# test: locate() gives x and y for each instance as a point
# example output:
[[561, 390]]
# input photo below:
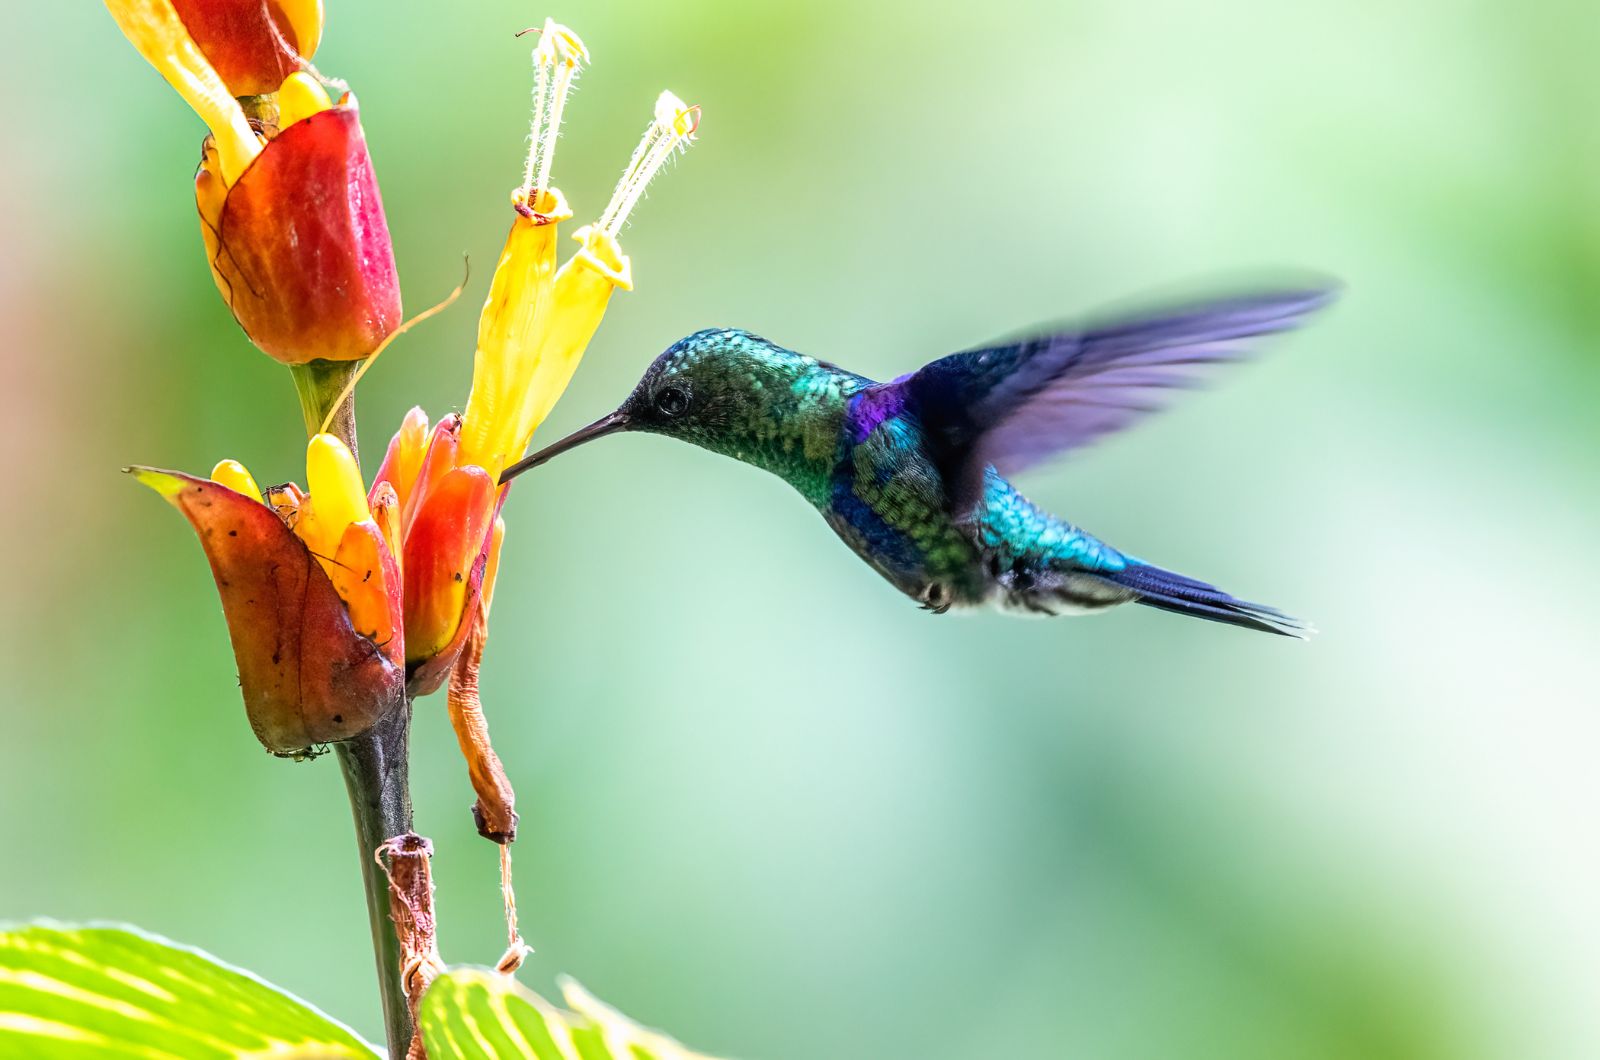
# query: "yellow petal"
[[232, 474], [305, 18], [300, 97], [508, 338], [155, 29], [582, 290], [334, 480]]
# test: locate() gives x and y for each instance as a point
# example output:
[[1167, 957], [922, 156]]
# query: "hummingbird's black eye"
[[672, 401]]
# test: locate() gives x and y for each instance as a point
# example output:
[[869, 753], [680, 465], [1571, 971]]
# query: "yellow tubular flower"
[[158, 33], [300, 97], [583, 287], [231, 473], [519, 294], [508, 330], [582, 291]]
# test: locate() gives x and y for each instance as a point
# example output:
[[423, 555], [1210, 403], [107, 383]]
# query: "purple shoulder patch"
[[871, 407]]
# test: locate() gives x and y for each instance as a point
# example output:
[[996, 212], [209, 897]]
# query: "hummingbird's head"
[[718, 388]]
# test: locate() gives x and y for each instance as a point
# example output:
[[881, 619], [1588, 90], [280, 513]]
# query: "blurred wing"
[[1014, 406]]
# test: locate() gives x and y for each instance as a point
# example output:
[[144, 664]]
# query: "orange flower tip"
[[300, 97], [232, 474], [334, 480]]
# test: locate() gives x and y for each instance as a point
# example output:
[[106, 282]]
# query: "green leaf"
[[476, 1014], [78, 992]]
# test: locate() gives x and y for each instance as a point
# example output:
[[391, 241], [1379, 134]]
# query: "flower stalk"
[[376, 764], [318, 385]]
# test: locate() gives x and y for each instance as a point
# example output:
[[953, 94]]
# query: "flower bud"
[[404, 457], [299, 244]]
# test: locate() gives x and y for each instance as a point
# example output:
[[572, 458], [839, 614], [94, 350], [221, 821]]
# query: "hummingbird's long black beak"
[[616, 421]]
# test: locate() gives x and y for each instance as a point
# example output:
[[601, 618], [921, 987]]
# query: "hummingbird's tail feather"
[[1169, 591]]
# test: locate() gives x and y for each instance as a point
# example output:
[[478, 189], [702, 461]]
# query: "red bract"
[[299, 244], [307, 675]]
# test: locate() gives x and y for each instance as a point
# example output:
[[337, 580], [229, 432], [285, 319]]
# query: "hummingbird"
[[912, 474]]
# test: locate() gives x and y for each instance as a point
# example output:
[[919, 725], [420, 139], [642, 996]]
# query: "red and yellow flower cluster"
[[341, 600]]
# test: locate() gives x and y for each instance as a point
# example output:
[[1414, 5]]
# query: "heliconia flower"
[[291, 216], [311, 589]]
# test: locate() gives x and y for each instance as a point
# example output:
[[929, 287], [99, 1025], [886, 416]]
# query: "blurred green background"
[[766, 804]]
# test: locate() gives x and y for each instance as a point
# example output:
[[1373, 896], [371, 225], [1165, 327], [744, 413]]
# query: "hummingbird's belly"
[[1038, 586]]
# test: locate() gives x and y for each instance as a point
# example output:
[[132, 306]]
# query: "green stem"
[[318, 385], [374, 764]]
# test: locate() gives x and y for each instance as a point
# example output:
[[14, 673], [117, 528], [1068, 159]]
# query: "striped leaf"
[[475, 1014], [79, 992]]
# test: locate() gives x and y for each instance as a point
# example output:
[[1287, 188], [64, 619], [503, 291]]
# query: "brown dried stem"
[[495, 810], [405, 860]]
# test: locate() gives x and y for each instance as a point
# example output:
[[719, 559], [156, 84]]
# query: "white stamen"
[[672, 130], [552, 130], [541, 85], [556, 44]]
